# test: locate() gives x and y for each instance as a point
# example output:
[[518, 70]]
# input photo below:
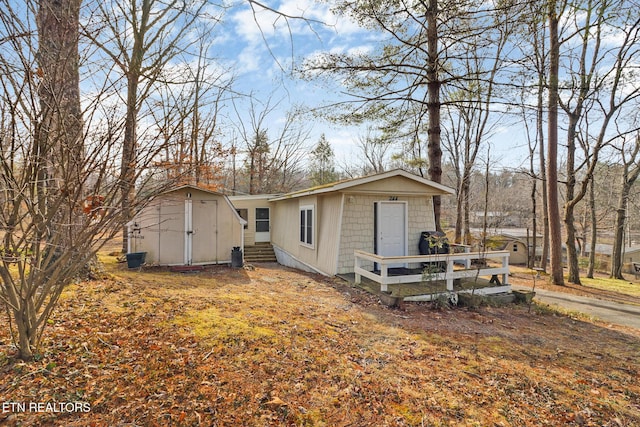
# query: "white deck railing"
[[502, 257]]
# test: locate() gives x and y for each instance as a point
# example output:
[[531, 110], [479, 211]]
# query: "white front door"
[[263, 225], [391, 226]]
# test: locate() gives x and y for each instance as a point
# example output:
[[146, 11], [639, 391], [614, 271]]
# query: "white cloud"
[[303, 18]]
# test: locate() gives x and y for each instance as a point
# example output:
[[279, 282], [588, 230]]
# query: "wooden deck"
[[491, 264], [455, 273], [428, 290]]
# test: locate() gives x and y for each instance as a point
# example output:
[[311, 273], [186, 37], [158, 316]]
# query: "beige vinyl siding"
[[421, 219], [517, 252], [329, 230], [250, 203], [322, 254], [632, 257], [327, 234], [397, 185], [306, 254], [344, 218], [285, 230], [170, 233]]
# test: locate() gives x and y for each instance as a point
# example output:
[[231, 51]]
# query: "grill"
[[433, 243]]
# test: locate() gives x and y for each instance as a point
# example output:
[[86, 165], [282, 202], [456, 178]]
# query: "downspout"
[[159, 233], [217, 245]]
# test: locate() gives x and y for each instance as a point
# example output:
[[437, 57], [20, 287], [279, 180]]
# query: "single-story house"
[[316, 229], [519, 247], [319, 228], [518, 241], [632, 254], [603, 252], [187, 226], [518, 250]]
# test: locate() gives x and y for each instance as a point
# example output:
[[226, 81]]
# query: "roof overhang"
[[350, 186]]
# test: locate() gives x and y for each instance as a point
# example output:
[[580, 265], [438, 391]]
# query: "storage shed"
[[187, 226]]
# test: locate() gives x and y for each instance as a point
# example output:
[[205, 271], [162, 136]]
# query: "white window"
[[306, 225]]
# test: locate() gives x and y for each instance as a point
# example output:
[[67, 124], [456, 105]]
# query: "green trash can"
[[135, 259]]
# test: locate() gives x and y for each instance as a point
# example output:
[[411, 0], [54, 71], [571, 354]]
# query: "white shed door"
[[391, 236], [205, 232]]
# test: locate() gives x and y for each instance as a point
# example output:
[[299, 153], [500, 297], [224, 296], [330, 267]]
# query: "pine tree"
[[323, 168]]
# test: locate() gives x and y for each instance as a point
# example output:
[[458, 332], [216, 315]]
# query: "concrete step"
[[259, 253]]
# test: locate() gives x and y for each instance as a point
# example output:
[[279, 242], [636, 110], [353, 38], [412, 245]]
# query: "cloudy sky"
[[261, 46]]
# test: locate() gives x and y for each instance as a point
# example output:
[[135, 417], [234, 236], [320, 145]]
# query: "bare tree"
[[58, 166], [600, 83], [42, 177], [630, 172], [429, 47], [139, 37], [553, 207], [188, 114], [272, 158], [374, 151], [469, 110], [534, 47]]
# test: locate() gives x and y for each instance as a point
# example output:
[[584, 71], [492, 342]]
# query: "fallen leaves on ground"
[[273, 346]]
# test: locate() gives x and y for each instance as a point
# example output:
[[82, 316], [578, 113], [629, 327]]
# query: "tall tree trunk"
[[433, 89], [594, 229], [543, 177], [569, 208], [618, 235], [129, 163], [129, 155], [630, 174], [58, 141], [462, 205], [553, 209], [466, 230], [459, 212], [531, 259]]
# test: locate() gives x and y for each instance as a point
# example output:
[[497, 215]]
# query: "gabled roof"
[[191, 187], [205, 190], [606, 249], [508, 233], [350, 184]]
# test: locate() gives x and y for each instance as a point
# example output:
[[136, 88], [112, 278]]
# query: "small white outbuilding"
[[187, 226]]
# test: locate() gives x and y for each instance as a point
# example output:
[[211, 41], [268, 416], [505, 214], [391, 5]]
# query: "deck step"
[[261, 252]]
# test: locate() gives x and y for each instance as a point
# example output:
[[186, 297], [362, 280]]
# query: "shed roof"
[[192, 187], [368, 184], [205, 190]]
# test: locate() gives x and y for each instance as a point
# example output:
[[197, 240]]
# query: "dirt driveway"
[[618, 313]]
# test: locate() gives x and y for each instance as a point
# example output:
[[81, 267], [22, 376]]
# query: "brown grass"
[[272, 346]]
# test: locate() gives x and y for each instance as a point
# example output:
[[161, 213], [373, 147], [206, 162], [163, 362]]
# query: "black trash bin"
[[236, 257], [135, 259]]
